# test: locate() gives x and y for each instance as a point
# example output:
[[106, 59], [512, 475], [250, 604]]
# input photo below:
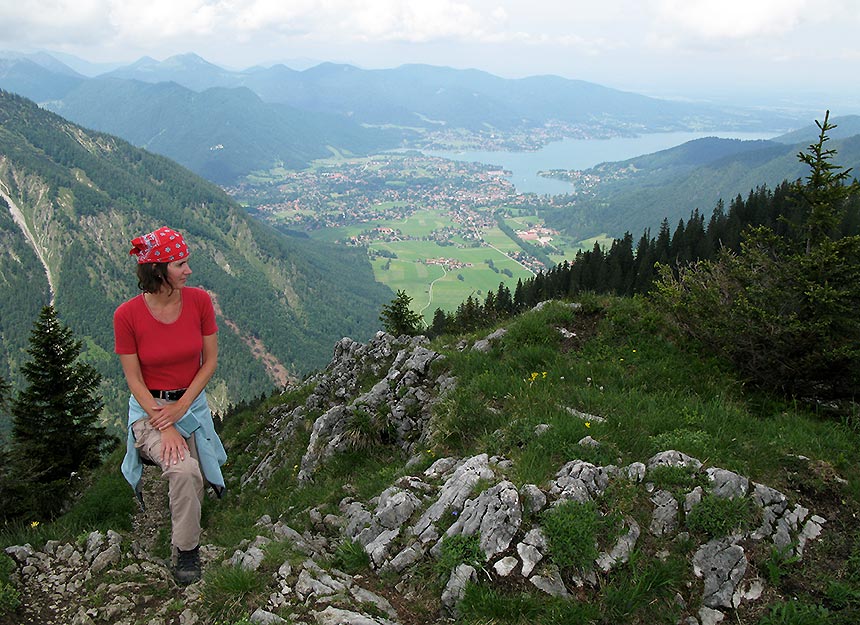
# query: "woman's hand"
[[173, 447], [164, 415]]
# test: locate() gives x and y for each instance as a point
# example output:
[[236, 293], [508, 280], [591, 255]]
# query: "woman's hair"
[[152, 276]]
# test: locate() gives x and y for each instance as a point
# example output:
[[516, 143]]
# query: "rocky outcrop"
[[395, 410], [405, 527]]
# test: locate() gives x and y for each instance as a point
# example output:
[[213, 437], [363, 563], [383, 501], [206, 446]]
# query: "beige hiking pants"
[[185, 484]]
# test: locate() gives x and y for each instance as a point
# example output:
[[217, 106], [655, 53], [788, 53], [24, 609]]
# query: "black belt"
[[168, 395]]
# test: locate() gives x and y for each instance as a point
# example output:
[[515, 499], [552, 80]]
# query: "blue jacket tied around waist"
[[197, 422]]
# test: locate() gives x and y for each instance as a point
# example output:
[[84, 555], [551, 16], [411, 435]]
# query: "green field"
[[409, 273], [431, 286]]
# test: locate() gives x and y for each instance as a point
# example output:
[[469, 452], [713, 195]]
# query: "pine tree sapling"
[[398, 318], [55, 418]]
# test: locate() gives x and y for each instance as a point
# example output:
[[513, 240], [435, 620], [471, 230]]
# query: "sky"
[[753, 52]]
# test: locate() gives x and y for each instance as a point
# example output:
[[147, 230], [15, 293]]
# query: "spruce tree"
[[55, 418], [398, 318]]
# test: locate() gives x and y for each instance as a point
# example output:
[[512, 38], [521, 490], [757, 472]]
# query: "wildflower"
[[588, 424], [544, 374], [34, 524], [634, 351]]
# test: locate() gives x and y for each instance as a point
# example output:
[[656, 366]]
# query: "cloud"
[[54, 22], [732, 20]]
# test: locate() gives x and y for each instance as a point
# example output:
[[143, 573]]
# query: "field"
[[474, 268]]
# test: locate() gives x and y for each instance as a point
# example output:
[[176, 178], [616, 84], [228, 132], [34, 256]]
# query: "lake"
[[582, 154]]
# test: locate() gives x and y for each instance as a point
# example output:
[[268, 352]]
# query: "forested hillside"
[[81, 196], [639, 193], [220, 134]]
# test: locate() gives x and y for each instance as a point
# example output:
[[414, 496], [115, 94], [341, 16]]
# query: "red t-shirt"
[[169, 353]]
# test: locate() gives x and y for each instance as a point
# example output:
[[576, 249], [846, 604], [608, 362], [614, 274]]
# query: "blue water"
[[582, 154]]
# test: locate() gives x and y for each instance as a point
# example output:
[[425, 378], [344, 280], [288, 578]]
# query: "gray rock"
[[505, 566], [747, 591], [788, 525], [727, 484], [315, 583], [454, 493], [579, 481], [409, 556], [533, 498], [262, 617], [379, 548], [395, 507], [722, 564], [635, 472], [362, 595], [110, 556], [550, 582], [455, 589], [20, 553], [672, 458], [495, 515], [584, 416], [708, 616], [95, 543], [530, 557], [665, 517], [623, 547], [692, 499], [337, 616], [249, 560]]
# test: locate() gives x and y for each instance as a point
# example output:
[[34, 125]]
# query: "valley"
[[439, 229]]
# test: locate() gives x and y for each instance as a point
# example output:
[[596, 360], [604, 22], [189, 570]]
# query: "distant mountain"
[[188, 70], [429, 97], [846, 126], [36, 77], [639, 193], [72, 199], [219, 133]]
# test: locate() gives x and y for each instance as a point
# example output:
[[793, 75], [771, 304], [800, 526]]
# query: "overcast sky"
[[803, 50]]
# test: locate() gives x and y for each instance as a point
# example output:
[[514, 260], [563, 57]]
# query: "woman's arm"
[[173, 445]]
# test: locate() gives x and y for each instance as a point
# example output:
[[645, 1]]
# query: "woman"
[[166, 339]]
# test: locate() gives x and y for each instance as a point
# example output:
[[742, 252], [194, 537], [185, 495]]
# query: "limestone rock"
[[455, 589], [665, 517], [722, 565], [495, 515]]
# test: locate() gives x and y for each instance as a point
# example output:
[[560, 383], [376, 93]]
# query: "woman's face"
[[177, 273]]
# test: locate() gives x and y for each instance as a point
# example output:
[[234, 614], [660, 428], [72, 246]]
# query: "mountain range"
[[224, 124], [71, 201]]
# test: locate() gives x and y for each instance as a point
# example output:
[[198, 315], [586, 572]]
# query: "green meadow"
[[431, 286]]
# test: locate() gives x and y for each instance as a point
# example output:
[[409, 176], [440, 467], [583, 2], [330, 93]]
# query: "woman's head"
[[157, 252]]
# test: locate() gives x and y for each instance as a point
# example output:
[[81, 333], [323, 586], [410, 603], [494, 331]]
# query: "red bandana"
[[161, 246]]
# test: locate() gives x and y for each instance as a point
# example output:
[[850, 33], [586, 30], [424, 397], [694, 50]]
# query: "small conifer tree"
[[398, 318], [55, 418]]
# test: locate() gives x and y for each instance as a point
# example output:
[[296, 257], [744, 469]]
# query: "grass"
[[649, 393]]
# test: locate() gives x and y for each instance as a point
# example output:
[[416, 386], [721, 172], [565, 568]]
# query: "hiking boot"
[[187, 570]]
